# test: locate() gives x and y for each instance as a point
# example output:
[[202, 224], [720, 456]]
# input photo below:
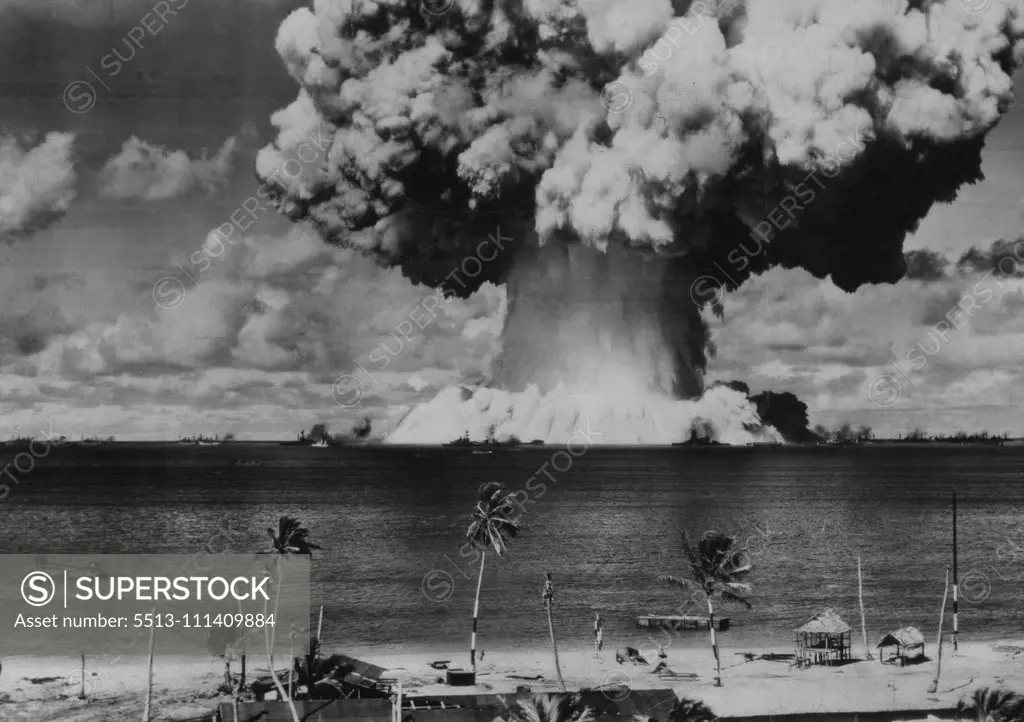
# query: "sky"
[[108, 328]]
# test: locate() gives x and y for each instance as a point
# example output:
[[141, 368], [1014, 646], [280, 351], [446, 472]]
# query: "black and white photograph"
[[511, 360]]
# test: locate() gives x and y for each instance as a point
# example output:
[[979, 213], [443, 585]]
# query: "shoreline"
[[34, 688]]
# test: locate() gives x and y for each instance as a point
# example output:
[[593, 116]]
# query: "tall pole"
[[938, 644], [956, 585], [147, 712], [863, 624], [291, 671]]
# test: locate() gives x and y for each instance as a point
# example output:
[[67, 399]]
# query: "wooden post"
[[291, 670], [81, 694], [320, 626], [148, 711], [863, 624], [942, 612], [956, 585]]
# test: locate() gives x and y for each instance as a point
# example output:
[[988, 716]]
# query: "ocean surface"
[[391, 521]]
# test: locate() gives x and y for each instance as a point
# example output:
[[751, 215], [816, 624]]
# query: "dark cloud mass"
[[1003, 257], [628, 157], [925, 265]]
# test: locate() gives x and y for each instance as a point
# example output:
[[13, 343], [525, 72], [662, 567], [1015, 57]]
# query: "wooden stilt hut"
[[902, 646], [826, 639]]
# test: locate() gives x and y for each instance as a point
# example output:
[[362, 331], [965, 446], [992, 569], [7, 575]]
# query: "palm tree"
[[991, 705], [554, 708], [684, 709], [717, 567], [491, 527], [549, 596], [291, 538]]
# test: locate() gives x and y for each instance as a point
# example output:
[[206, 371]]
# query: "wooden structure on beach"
[[826, 639], [608, 706], [902, 646], [351, 679], [680, 623]]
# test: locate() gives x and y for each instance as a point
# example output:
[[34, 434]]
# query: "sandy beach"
[[749, 688], [40, 689]]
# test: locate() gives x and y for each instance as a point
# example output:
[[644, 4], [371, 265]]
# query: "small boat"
[[482, 451], [248, 462], [322, 444], [209, 443]]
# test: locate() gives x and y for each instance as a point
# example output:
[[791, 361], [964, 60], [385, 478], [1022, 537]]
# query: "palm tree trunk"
[[476, 615], [554, 644], [270, 649], [714, 643], [281, 690], [863, 622], [938, 644]]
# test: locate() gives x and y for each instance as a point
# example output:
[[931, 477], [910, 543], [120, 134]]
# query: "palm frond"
[[692, 557], [690, 710], [717, 566], [731, 594], [291, 537], [554, 708], [685, 584], [989, 704], [491, 525]]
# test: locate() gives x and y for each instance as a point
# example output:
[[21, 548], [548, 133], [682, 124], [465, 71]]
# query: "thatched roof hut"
[[825, 639], [905, 644]]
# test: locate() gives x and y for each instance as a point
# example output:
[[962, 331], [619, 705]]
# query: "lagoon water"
[[391, 522]]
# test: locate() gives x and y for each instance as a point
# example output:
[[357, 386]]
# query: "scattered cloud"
[[827, 346], [272, 326], [149, 172], [37, 183]]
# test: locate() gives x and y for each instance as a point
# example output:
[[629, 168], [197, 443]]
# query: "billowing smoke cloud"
[[37, 184], [925, 265], [1005, 258], [151, 172], [630, 154], [1002, 258]]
